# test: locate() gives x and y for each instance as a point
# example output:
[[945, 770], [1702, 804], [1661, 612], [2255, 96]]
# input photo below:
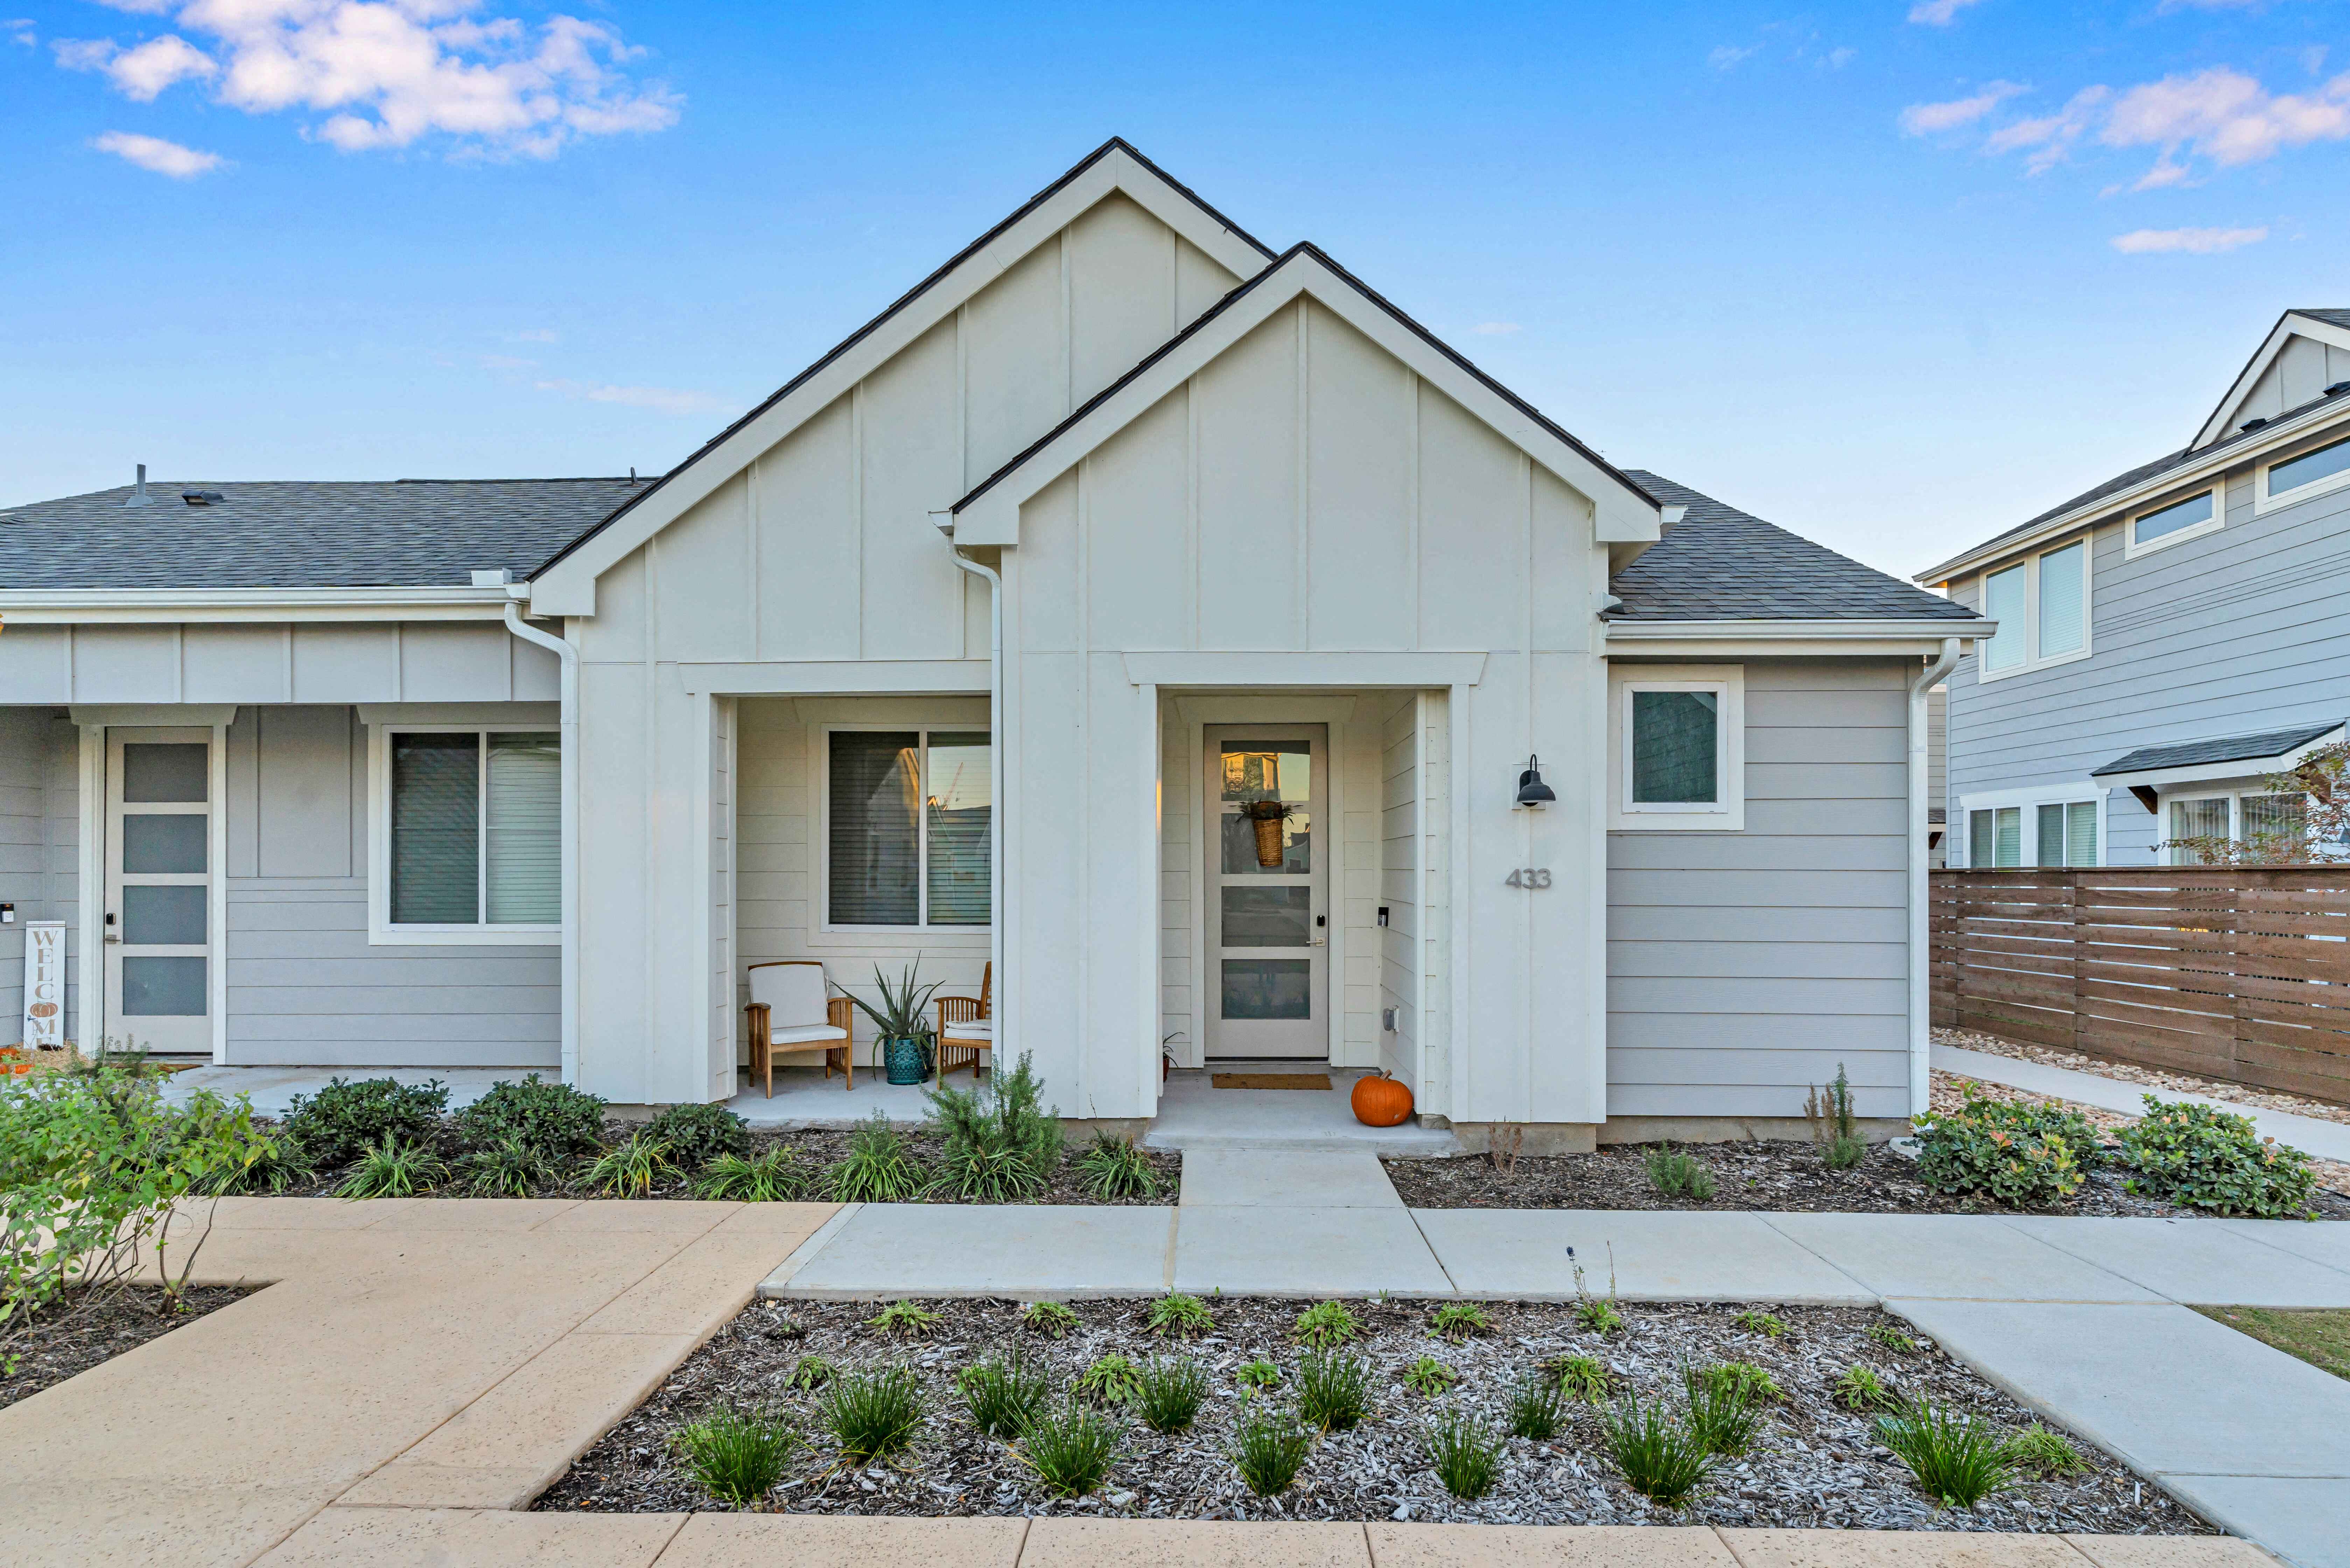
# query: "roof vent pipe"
[[139, 497]]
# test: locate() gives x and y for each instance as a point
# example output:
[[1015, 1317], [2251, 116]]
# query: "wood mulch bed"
[[79, 1333], [1813, 1463]]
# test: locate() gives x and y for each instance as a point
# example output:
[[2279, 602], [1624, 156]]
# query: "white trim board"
[[2289, 325], [1379, 669], [76, 606]]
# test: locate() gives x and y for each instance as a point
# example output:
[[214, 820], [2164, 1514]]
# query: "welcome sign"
[[44, 984]]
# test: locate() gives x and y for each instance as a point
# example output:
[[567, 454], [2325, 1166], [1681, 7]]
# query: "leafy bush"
[[1255, 1376], [2044, 1452], [1658, 1457], [999, 1146], [1457, 1320], [554, 1120], [1465, 1455], [510, 1167], [1325, 1324], [2200, 1157], [1860, 1389], [1181, 1316], [1958, 1460], [632, 1167], [907, 1319], [1580, 1377], [736, 1455], [1988, 1150], [1071, 1449], [1269, 1447], [773, 1175], [810, 1373], [281, 1162], [1003, 1396], [1051, 1319], [877, 1167], [873, 1415], [1333, 1390], [344, 1119], [1113, 1167], [1723, 1412], [1169, 1394], [696, 1135], [1536, 1411], [1429, 1376], [394, 1170], [1112, 1379], [1770, 1325], [1677, 1173]]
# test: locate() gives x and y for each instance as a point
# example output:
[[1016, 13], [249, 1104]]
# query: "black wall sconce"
[[1532, 793]]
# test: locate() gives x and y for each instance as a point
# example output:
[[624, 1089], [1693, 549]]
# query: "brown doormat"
[[1270, 1080]]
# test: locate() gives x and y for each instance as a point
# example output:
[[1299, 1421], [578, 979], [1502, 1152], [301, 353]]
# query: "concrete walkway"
[[2311, 1135]]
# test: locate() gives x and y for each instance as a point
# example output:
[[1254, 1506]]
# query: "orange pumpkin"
[[1381, 1101]]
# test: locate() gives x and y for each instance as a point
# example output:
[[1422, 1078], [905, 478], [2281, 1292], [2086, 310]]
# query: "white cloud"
[[155, 154], [2194, 242], [2050, 137], [1495, 328], [2227, 117], [1939, 13], [1928, 118], [1838, 58], [20, 30], [392, 73], [1728, 56], [665, 399]]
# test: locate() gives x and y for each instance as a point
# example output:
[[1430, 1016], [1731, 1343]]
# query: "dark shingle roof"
[[1719, 563], [298, 534], [2263, 747], [2331, 318]]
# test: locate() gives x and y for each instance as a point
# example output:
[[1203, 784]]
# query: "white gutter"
[[51, 606], [999, 893], [1841, 630], [569, 657], [1921, 937]]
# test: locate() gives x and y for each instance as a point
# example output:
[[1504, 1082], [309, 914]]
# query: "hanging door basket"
[[1269, 815]]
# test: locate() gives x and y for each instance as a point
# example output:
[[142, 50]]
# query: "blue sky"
[[1896, 274]]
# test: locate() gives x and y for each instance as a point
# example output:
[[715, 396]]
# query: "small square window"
[[1676, 747]]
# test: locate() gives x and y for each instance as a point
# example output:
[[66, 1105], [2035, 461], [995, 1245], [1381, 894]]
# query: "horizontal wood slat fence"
[[2237, 973]]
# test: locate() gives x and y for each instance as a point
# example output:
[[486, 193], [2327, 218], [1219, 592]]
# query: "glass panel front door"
[[1267, 879], [158, 872]]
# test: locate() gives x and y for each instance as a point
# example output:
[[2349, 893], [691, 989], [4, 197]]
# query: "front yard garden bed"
[[77, 1332], [1814, 1458]]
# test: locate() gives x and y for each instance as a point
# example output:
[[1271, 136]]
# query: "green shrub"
[[1325, 1324], [1113, 1167], [394, 1170], [508, 1168], [1465, 1455], [2200, 1157], [1658, 1457], [1994, 1149], [1256, 1376], [873, 1415], [1051, 1319], [344, 1119], [773, 1175], [556, 1120], [1744, 1379], [1071, 1449], [998, 1145], [1112, 1379], [1770, 1325], [1181, 1316], [810, 1372], [1170, 1393], [1958, 1460], [906, 1319], [696, 1135], [736, 1455], [1536, 1410], [280, 1163], [632, 1167], [1598, 1315], [1834, 1127], [1860, 1389], [1269, 1447], [1003, 1396], [1429, 1376], [1581, 1377], [2044, 1452], [1723, 1412], [1457, 1320], [1333, 1390], [877, 1167], [1677, 1173]]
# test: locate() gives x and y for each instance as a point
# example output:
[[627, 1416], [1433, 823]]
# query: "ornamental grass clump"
[[1051, 1319], [556, 1121], [1744, 1379], [632, 1167], [1537, 1410], [1333, 1390], [2023, 1156], [1429, 1376], [1181, 1316], [1170, 1392], [905, 1319], [998, 1144], [877, 1167], [1003, 1396], [1583, 1378], [696, 1135], [736, 1456], [773, 1175], [1269, 1447], [1326, 1326], [1656, 1455], [1465, 1455], [1770, 1325], [1112, 1168], [1457, 1320], [1677, 1173], [2200, 1157], [874, 1415], [1071, 1448], [277, 1162], [344, 1119], [1111, 1379], [394, 1170], [2045, 1453], [1860, 1389], [1958, 1460], [1723, 1412], [509, 1167]]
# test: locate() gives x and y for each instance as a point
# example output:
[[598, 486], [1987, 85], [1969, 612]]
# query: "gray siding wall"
[[2238, 631], [1744, 967], [40, 822]]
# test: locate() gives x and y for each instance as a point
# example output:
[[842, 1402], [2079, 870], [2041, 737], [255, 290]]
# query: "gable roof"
[[1303, 268], [1115, 165], [298, 534], [2326, 323], [1721, 564]]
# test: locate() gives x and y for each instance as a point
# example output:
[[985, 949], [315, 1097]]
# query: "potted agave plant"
[[903, 1022]]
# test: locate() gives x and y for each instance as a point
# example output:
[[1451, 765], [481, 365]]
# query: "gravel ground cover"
[[79, 1333], [2152, 1077], [1813, 1463]]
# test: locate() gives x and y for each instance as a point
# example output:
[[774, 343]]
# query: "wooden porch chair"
[[967, 1028], [792, 1016]]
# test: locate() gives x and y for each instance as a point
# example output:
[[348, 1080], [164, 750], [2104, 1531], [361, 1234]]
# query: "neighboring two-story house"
[[2170, 640]]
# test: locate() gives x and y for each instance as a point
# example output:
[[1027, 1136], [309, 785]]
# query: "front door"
[[1268, 911], [158, 872]]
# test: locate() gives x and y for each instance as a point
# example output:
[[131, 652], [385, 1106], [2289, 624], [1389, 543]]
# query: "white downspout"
[[1920, 1040], [569, 657], [999, 899]]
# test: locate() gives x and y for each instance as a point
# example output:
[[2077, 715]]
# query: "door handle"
[[1317, 942]]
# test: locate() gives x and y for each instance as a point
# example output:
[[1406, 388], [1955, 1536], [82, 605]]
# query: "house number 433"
[[1528, 877]]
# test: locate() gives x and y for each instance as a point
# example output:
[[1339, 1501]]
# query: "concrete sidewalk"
[[2311, 1135]]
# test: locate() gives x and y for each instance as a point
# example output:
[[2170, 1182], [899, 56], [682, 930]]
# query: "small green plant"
[[1677, 1173], [1834, 1127], [1883, 1332], [1580, 1377], [1457, 1320], [506, 1168], [810, 1373], [1003, 1396], [736, 1455], [1723, 1414], [873, 1415], [1070, 1449], [997, 1144], [1254, 1377], [1744, 1379], [1958, 1460], [1536, 1410], [905, 1319], [1111, 1379], [1860, 1389], [1324, 1325], [1333, 1390], [696, 1135], [279, 1162], [1269, 1447], [1594, 1313], [1112, 1168], [2044, 1452], [394, 1170], [632, 1167], [344, 1119], [1181, 1316], [1429, 1376], [556, 1120], [904, 1013], [773, 1175], [877, 1167], [1170, 1392], [2025, 1155], [1770, 1325], [1465, 1455], [2201, 1157], [1656, 1455], [1051, 1319]]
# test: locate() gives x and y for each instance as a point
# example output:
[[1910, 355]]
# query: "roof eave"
[[86, 607]]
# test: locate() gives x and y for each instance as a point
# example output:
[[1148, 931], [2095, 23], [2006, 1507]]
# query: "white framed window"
[[2042, 605], [1676, 747], [2034, 826], [465, 834], [2172, 523], [907, 816], [2237, 816], [2295, 479]]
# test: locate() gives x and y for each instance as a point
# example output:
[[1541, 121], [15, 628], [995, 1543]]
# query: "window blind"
[[959, 807], [435, 829], [2004, 602], [2064, 600], [523, 817], [874, 831]]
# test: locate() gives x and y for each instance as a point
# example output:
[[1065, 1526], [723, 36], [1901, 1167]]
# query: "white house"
[[971, 644]]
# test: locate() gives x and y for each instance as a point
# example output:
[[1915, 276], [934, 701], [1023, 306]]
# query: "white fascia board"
[[1637, 637], [89, 607], [1619, 513], [1183, 670], [2212, 772], [2108, 507], [2289, 326], [569, 588]]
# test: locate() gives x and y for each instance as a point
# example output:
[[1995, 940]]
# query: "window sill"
[[465, 936], [1722, 819], [2132, 549], [1985, 677]]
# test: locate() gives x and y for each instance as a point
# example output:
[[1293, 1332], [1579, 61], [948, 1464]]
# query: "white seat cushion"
[[793, 994], [808, 1034], [970, 1029]]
